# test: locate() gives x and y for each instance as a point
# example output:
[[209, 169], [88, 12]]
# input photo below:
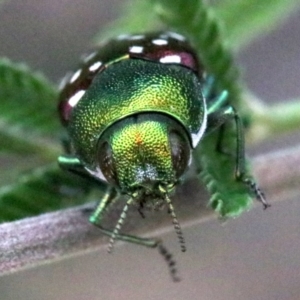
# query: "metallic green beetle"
[[134, 112]]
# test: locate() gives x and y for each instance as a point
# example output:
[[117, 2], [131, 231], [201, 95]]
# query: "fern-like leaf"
[[43, 189], [27, 109], [229, 197], [258, 17]]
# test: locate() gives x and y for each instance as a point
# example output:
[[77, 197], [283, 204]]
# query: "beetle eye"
[[180, 150], [106, 163]]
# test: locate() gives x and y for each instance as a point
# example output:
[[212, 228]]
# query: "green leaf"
[[271, 121], [28, 116], [245, 20], [41, 190], [229, 197]]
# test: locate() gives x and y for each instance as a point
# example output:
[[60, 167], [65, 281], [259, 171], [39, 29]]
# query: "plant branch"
[[269, 121], [54, 236]]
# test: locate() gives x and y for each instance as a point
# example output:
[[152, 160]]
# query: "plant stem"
[[53, 236]]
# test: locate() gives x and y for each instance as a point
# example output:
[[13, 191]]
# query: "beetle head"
[[143, 152], [144, 156]]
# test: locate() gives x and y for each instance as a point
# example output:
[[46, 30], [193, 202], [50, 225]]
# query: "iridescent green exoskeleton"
[[135, 113]]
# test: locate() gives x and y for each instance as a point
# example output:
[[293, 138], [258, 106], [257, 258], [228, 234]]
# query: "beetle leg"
[[103, 207], [208, 86], [96, 218], [149, 243], [217, 103], [72, 164], [220, 119], [66, 143], [109, 198]]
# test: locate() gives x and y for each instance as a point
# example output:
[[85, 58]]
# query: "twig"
[[54, 236]]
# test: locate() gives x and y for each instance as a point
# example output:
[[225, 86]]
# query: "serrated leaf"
[[41, 190], [245, 20], [229, 197], [27, 108]]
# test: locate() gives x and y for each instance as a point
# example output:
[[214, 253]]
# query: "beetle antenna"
[[170, 261], [118, 225], [176, 223]]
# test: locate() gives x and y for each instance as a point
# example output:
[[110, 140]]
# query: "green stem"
[[269, 121]]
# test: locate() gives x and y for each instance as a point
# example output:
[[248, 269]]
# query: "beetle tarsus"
[[259, 194], [170, 261]]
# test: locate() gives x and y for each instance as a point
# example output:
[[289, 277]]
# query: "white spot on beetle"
[[136, 49], [75, 76], [160, 42], [94, 67], [171, 59], [76, 97]]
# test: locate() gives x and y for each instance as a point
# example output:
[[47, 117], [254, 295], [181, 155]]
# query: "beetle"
[[135, 112]]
